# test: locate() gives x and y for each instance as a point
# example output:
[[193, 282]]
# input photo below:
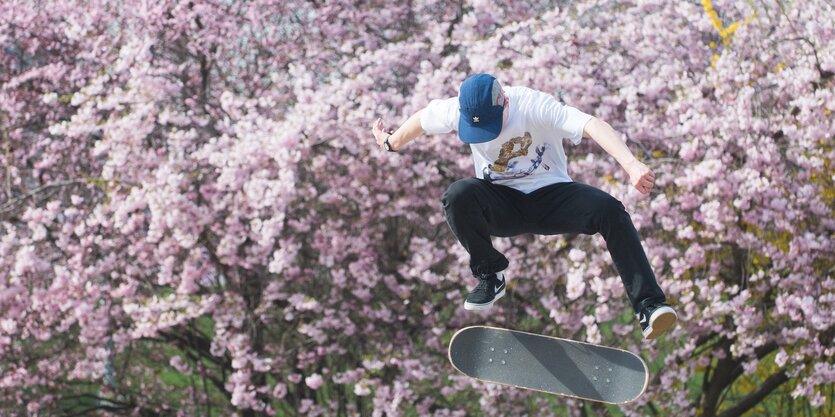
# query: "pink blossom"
[[314, 381], [280, 391]]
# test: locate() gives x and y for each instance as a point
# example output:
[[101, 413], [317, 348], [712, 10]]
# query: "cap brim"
[[482, 132]]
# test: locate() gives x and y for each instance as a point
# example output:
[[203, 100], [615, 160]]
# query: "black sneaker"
[[655, 319], [489, 289]]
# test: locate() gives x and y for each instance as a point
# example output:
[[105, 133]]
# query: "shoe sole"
[[662, 320], [480, 307]]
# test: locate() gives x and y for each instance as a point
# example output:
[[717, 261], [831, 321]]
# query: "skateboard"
[[549, 364]]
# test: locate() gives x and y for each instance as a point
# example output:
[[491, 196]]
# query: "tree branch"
[[4, 138], [99, 399], [9, 206], [770, 384]]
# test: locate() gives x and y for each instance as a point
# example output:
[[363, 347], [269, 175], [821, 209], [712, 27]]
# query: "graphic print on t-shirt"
[[507, 165]]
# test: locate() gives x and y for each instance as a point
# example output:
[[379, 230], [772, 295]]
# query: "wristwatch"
[[387, 145]]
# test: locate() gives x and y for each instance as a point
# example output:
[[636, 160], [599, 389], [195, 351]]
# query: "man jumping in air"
[[522, 186]]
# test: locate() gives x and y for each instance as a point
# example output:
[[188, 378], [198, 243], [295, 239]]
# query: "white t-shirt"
[[528, 153]]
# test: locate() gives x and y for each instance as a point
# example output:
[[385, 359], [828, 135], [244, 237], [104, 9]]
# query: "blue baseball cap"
[[480, 108]]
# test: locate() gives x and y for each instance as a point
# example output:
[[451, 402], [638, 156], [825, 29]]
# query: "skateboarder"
[[522, 186]]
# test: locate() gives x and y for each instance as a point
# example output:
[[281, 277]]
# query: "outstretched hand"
[[641, 177], [380, 134]]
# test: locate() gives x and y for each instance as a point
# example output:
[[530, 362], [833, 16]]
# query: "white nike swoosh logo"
[[497, 289], [644, 319]]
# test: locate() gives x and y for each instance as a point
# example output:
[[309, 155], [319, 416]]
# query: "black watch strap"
[[387, 145]]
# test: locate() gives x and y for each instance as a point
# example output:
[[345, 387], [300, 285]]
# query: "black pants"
[[476, 209]]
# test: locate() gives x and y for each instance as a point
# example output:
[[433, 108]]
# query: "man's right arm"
[[404, 134], [439, 116]]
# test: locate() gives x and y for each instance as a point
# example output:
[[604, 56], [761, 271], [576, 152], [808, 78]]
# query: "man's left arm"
[[641, 177]]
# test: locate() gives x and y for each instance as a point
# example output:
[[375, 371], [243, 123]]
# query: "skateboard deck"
[[549, 364]]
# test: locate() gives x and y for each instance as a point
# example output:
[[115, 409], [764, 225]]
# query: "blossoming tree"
[[195, 220]]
